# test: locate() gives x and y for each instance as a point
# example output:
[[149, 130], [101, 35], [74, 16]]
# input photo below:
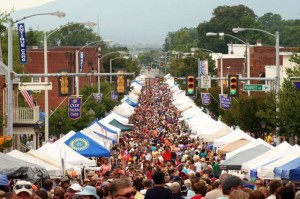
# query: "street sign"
[[206, 81], [256, 87], [35, 85]]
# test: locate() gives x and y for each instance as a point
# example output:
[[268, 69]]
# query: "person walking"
[[158, 191]]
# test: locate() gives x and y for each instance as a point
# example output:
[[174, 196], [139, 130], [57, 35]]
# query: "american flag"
[[28, 98]]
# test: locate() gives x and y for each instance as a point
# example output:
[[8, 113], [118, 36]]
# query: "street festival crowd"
[[156, 160]]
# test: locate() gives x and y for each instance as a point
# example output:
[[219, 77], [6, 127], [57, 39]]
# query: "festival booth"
[[133, 97], [86, 146], [130, 102], [15, 168], [106, 143], [113, 115], [267, 171], [233, 146], [255, 143], [101, 130], [218, 130], [122, 111], [53, 171], [231, 137], [249, 167], [236, 161], [290, 170]]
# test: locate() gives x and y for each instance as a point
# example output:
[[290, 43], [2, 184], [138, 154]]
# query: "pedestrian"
[[158, 191], [88, 192], [122, 188], [23, 190]]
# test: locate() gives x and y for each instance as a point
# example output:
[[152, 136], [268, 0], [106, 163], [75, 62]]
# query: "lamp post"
[[46, 36], [110, 66], [36, 129], [246, 52], [10, 67], [277, 77], [221, 64]]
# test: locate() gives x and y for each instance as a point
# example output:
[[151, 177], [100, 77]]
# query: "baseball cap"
[[23, 186], [76, 187]]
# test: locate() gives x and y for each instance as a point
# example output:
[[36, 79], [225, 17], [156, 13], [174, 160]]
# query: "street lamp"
[[46, 36], [37, 130], [110, 65], [10, 67], [228, 69], [221, 64], [60, 123], [277, 78]]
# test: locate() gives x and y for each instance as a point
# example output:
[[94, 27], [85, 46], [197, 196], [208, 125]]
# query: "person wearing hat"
[[88, 192], [75, 188], [23, 190], [65, 182]]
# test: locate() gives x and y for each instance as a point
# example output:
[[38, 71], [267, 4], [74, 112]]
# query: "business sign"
[[74, 108], [22, 43], [225, 101], [205, 97], [82, 61], [206, 81]]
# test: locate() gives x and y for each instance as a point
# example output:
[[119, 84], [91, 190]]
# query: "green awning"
[[119, 125]]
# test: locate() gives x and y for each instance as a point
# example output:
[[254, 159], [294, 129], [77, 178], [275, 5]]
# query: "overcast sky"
[[137, 21]]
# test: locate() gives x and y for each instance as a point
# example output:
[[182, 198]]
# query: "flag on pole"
[[28, 98], [97, 97]]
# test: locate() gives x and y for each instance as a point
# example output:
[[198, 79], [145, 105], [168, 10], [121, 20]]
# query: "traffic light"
[[233, 85], [190, 85], [64, 85], [161, 80], [175, 80], [121, 83]]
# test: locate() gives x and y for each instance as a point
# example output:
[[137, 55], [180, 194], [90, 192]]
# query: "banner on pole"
[[81, 61], [225, 101], [22, 43], [74, 110], [205, 97]]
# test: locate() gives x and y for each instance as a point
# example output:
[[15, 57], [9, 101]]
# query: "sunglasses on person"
[[20, 186], [259, 184], [127, 195]]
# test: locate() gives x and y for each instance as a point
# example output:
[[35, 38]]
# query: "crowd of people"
[[158, 159]]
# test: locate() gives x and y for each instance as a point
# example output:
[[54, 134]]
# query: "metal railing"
[[24, 115]]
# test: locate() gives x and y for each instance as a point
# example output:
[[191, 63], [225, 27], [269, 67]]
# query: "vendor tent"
[[121, 126], [283, 171], [232, 136], [112, 115], [267, 171], [53, 171], [233, 146], [97, 128], [274, 154], [255, 143], [15, 168], [86, 146], [235, 162], [218, 130]]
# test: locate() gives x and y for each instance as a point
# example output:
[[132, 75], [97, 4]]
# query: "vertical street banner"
[[225, 101], [74, 108], [81, 61], [205, 97], [114, 96], [22, 43], [203, 67]]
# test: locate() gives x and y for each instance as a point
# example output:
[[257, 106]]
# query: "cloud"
[[9, 5]]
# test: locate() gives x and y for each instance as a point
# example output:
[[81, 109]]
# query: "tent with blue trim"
[[86, 146], [283, 171]]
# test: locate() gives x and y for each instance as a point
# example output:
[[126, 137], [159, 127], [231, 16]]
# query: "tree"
[[34, 38], [73, 35]]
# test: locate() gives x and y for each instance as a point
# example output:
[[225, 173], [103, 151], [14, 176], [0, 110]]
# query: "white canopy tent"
[[267, 171], [95, 127], [219, 130], [113, 115], [266, 158], [122, 111], [100, 140], [54, 171], [231, 137], [255, 143]]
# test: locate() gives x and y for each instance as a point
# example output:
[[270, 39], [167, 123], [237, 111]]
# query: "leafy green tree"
[[73, 34], [34, 38]]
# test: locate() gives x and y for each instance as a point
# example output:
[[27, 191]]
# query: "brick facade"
[[61, 59]]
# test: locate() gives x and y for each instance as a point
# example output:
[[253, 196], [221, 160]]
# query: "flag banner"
[[28, 98], [205, 98], [74, 109], [97, 97], [114, 96], [81, 61], [225, 101], [203, 67], [22, 43]]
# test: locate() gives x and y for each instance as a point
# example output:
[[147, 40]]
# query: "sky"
[[136, 22]]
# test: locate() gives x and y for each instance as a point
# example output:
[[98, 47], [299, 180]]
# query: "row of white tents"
[[96, 140], [245, 155]]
